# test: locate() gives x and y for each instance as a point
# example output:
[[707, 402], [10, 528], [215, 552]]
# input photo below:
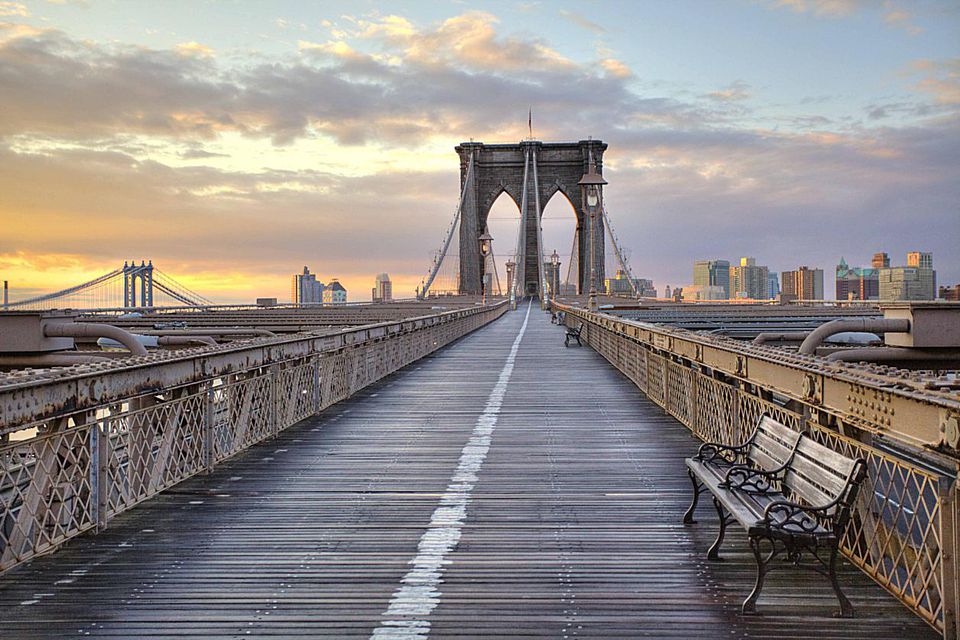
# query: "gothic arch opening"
[[559, 225], [503, 222]]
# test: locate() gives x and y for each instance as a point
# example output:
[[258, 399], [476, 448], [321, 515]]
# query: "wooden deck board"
[[572, 531]]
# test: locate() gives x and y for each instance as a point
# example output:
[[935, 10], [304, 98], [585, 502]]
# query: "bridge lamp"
[[554, 273], [486, 246], [591, 183]]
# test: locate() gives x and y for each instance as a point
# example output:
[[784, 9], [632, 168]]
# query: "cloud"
[[896, 16], [734, 92], [616, 68], [939, 79], [193, 49], [582, 22], [115, 135], [13, 9], [823, 8]]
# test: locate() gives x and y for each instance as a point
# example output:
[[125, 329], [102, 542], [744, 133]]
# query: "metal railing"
[[79, 446], [904, 532]]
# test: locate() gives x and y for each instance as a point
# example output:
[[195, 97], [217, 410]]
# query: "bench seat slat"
[[827, 480], [777, 453], [826, 456], [779, 431]]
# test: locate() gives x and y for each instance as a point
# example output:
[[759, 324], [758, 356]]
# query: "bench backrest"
[[772, 444], [819, 476]]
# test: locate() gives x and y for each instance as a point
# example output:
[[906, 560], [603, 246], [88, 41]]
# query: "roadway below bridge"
[[503, 486]]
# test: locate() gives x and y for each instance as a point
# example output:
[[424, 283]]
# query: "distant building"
[[620, 284], [921, 259], [858, 283], [880, 260], [667, 293], [747, 280], [712, 273], [916, 281], [803, 284], [699, 292], [773, 285], [334, 293], [382, 289], [266, 302], [950, 293], [306, 289]]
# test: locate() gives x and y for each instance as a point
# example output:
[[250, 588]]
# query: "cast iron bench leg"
[[750, 604], [697, 490], [846, 609], [713, 553]]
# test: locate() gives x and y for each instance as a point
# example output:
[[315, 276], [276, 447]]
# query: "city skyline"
[[234, 146]]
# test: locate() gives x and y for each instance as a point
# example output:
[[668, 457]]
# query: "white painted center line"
[[419, 592]]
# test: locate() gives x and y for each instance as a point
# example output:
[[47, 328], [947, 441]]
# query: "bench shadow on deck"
[[573, 530]]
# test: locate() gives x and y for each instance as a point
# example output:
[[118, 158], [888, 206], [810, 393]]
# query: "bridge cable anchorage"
[[624, 265], [454, 226], [412, 603]]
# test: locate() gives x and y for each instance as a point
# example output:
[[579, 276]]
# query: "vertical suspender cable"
[[537, 213], [522, 234], [616, 248]]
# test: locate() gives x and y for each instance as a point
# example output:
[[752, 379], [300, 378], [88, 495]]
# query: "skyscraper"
[[382, 289], [916, 281], [858, 283], [921, 259], [803, 284], [305, 288], [747, 280], [880, 260], [712, 273]]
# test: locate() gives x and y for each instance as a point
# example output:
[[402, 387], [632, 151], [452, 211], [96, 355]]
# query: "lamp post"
[[590, 185], [554, 274], [511, 266], [486, 241]]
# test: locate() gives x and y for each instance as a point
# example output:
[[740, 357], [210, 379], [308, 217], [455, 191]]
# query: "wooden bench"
[[787, 491], [573, 333]]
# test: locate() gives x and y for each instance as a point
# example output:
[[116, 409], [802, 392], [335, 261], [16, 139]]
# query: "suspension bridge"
[[431, 469], [132, 286], [530, 173]]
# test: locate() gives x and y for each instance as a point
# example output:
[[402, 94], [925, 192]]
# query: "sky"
[[233, 142]]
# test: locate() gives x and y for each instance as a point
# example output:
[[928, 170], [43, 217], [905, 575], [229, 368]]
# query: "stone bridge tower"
[[530, 172]]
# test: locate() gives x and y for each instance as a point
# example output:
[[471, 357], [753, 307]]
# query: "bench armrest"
[[783, 514], [712, 451], [751, 480]]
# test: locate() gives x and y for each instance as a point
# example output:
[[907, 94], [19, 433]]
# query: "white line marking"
[[419, 595]]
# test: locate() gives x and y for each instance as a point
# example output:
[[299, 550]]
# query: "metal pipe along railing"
[[870, 325], [85, 330]]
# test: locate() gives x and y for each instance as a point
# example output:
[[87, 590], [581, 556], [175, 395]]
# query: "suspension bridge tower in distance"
[[530, 172], [138, 278]]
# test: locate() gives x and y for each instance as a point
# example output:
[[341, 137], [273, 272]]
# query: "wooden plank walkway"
[[571, 527]]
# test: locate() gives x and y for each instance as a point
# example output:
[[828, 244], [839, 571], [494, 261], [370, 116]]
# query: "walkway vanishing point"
[[503, 486]]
